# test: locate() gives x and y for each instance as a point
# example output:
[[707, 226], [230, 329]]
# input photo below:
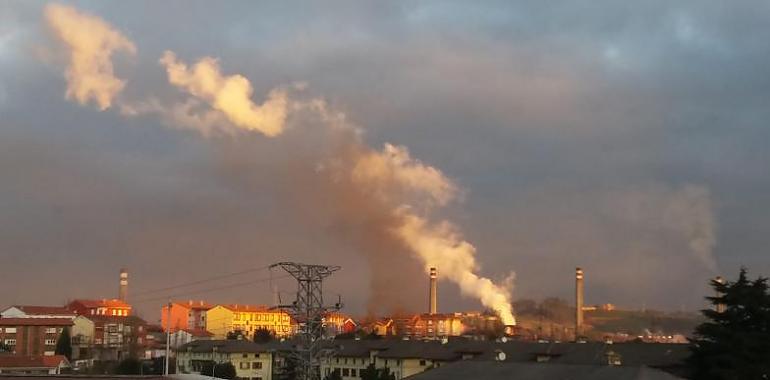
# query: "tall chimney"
[[123, 284], [578, 303], [720, 307], [433, 291]]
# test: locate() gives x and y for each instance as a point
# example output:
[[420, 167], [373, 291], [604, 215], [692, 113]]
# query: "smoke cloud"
[[685, 212], [90, 43], [230, 95]]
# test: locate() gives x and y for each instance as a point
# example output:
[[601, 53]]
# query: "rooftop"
[[464, 370], [102, 303], [44, 310]]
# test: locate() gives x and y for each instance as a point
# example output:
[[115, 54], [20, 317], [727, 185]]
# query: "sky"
[[628, 139]]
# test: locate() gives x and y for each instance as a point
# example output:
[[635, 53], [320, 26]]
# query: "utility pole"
[[168, 338], [308, 311]]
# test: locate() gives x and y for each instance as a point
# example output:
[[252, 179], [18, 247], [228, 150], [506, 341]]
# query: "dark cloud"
[[554, 117]]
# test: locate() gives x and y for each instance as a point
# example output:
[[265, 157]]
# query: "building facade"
[[32, 336], [251, 360], [185, 315], [223, 319]]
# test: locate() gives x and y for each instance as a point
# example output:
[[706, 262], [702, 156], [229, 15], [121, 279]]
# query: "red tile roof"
[[195, 305], [16, 361], [35, 322], [44, 310], [102, 303]]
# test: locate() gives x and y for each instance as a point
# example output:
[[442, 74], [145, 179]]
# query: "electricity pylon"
[[308, 311]]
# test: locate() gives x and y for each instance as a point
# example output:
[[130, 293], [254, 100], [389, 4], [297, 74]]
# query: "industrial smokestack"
[[578, 303], [123, 293], [432, 296], [720, 307]]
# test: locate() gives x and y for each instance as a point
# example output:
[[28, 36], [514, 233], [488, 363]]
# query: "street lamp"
[[213, 360]]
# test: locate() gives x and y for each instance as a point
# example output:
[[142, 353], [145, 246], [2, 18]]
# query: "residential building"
[[338, 323], [82, 337], [27, 311], [223, 319], [32, 365], [103, 307], [185, 315], [116, 337], [181, 337], [402, 358], [32, 336], [251, 360]]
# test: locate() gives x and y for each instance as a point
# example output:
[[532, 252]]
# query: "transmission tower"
[[309, 312]]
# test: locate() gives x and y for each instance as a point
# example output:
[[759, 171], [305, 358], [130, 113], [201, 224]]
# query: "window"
[[346, 360], [50, 330], [50, 342], [245, 355], [10, 330], [422, 363], [244, 365], [256, 365], [353, 372], [345, 372], [10, 342]]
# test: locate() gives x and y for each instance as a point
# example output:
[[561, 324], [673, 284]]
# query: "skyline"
[[628, 142]]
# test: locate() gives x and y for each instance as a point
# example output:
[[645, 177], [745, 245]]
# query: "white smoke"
[[90, 43], [230, 95]]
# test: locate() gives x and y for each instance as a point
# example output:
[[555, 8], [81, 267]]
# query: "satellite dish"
[[499, 355]]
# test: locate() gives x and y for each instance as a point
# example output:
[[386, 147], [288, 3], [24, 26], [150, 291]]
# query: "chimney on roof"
[[578, 303], [432, 302], [123, 293]]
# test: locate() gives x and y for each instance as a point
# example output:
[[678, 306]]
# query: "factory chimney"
[[720, 307], [123, 293], [432, 296], [578, 303]]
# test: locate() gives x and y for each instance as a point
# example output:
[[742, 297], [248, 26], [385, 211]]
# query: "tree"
[[334, 375], [220, 370], [373, 373], [64, 344], [734, 342], [235, 335], [263, 335]]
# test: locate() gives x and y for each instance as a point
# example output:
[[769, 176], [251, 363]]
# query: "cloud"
[[230, 95], [90, 43]]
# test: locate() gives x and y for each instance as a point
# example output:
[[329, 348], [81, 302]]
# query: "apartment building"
[[247, 319], [185, 315], [32, 336], [251, 360]]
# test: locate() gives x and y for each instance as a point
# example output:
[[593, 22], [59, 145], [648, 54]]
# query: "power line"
[[208, 290], [202, 281]]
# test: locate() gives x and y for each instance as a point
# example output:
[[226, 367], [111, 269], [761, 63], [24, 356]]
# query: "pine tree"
[[734, 342], [372, 373], [64, 344]]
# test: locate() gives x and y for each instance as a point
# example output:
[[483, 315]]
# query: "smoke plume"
[[90, 43], [387, 192], [230, 95]]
